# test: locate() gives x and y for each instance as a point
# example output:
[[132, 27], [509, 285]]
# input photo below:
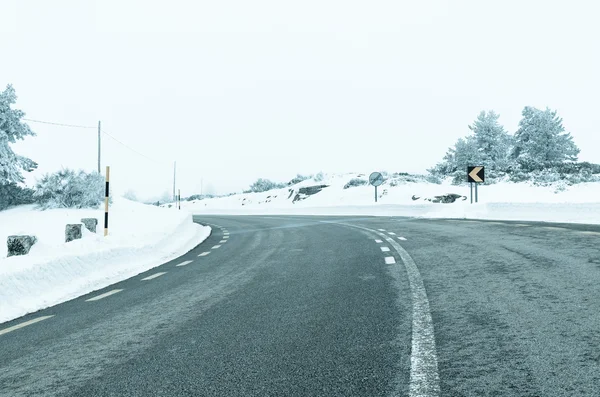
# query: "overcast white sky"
[[236, 90]]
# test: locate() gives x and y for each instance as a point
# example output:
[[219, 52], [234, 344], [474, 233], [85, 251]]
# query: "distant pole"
[[179, 198], [375, 193], [174, 176], [476, 198], [99, 144], [106, 201]]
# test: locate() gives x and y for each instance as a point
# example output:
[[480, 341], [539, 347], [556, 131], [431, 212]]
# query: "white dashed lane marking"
[[401, 238], [381, 230], [385, 249], [225, 237], [204, 253], [154, 276], [25, 324], [222, 241], [389, 260], [378, 241], [590, 233], [104, 295], [216, 246], [184, 263], [391, 233]]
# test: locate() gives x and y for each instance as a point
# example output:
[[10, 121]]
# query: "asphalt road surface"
[[331, 306]]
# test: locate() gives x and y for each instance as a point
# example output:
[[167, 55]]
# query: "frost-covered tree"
[[11, 130], [70, 189], [493, 143], [130, 195], [457, 158], [541, 141]]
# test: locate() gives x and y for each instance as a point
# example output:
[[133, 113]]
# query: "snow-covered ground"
[[140, 237], [502, 201]]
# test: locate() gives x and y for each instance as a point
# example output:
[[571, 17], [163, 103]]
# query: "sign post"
[[475, 175], [376, 179]]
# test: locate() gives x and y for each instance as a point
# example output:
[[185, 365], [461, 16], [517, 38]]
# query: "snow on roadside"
[[502, 201], [140, 237]]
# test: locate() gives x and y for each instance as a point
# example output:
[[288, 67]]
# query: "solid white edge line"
[[216, 246], [25, 324], [390, 260], [204, 253], [104, 295], [153, 276], [184, 263], [385, 249]]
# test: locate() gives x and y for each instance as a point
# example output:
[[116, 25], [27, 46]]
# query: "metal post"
[[99, 144], [174, 175], [375, 193], [106, 201], [476, 198], [471, 186], [179, 198]]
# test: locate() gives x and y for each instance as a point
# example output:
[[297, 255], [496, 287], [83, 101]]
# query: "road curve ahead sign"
[[376, 179], [475, 174]]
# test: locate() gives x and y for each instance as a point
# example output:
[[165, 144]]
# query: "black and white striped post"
[[106, 201], [179, 198]]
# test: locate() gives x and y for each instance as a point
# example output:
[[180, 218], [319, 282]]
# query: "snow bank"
[[503, 201], [140, 237]]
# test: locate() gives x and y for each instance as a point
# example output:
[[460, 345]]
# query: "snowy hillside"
[[140, 237], [509, 201]]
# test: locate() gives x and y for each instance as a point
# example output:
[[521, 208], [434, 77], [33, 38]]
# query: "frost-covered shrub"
[[433, 179], [12, 194], [299, 178], [69, 189], [319, 177], [355, 182], [263, 185]]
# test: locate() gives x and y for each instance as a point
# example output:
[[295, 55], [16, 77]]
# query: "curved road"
[[331, 306]]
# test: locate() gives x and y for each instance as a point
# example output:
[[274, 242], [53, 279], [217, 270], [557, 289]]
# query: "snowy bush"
[[69, 189], [12, 194], [263, 185], [299, 178], [355, 182], [319, 177]]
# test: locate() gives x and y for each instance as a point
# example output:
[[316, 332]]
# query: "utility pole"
[[174, 176], [99, 144]]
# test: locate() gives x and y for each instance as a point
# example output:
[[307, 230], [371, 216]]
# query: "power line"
[[59, 124], [130, 148]]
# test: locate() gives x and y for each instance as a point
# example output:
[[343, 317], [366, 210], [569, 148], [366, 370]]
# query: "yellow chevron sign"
[[475, 174]]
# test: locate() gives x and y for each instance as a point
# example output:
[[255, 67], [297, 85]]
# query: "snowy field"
[[502, 201], [140, 237]]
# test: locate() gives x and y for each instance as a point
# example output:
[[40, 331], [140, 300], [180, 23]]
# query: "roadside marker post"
[[106, 191], [475, 175], [376, 179], [179, 198]]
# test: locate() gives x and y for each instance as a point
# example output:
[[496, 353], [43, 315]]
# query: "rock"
[[306, 192], [72, 232], [445, 198], [90, 224], [20, 245]]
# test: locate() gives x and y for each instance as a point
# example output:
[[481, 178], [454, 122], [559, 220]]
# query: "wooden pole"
[[106, 201]]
